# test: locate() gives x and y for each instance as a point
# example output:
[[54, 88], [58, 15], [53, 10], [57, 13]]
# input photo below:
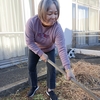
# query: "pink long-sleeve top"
[[41, 39]]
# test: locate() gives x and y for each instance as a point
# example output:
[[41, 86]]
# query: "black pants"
[[32, 63]]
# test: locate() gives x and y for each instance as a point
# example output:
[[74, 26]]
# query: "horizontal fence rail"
[[86, 38], [97, 31]]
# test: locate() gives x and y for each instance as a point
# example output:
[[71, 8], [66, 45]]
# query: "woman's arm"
[[62, 50]]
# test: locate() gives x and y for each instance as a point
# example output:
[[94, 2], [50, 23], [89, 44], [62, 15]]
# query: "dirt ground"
[[87, 72]]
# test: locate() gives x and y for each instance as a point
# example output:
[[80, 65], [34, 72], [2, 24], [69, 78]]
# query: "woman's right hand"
[[44, 57]]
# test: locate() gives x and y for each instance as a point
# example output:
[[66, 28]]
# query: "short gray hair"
[[44, 6]]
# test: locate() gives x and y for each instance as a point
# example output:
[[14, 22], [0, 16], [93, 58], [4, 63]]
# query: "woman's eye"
[[50, 14], [56, 13]]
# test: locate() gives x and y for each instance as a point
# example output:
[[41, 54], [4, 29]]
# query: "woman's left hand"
[[69, 74]]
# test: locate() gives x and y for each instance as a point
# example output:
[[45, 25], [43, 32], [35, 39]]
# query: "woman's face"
[[51, 16]]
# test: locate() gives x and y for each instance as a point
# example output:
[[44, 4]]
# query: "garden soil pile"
[[85, 73]]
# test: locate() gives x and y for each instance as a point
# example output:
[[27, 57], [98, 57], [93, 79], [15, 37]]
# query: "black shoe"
[[52, 95], [32, 91]]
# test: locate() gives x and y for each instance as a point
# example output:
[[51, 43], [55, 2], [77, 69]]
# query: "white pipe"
[[87, 52]]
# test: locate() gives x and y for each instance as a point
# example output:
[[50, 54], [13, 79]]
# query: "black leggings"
[[32, 63]]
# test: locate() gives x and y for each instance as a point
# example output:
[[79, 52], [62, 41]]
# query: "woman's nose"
[[53, 16]]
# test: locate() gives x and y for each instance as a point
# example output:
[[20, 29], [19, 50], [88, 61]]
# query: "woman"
[[43, 32]]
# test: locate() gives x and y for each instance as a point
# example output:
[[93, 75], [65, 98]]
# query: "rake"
[[89, 92]]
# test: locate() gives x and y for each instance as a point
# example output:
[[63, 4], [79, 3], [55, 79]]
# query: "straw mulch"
[[85, 73]]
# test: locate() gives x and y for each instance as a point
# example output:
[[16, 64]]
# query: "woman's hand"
[[69, 74], [44, 57]]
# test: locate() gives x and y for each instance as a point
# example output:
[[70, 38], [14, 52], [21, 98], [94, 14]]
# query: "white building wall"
[[36, 3], [65, 20]]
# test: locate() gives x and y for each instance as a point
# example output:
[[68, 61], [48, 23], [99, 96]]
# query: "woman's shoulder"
[[58, 29], [33, 19], [57, 25], [35, 23]]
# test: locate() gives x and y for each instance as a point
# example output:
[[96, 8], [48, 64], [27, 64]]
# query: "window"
[[74, 17], [82, 24], [93, 24], [99, 28], [82, 21], [99, 19], [93, 19], [87, 19]]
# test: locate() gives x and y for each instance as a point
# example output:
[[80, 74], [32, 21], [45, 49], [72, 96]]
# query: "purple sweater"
[[41, 39]]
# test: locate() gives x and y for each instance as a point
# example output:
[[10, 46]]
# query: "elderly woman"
[[43, 32]]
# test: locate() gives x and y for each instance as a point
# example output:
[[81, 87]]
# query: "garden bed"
[[85, 72]]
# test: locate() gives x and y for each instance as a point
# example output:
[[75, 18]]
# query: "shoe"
[[52, 95], [32, 91]]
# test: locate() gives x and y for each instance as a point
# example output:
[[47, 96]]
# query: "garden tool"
[[74, 81]]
